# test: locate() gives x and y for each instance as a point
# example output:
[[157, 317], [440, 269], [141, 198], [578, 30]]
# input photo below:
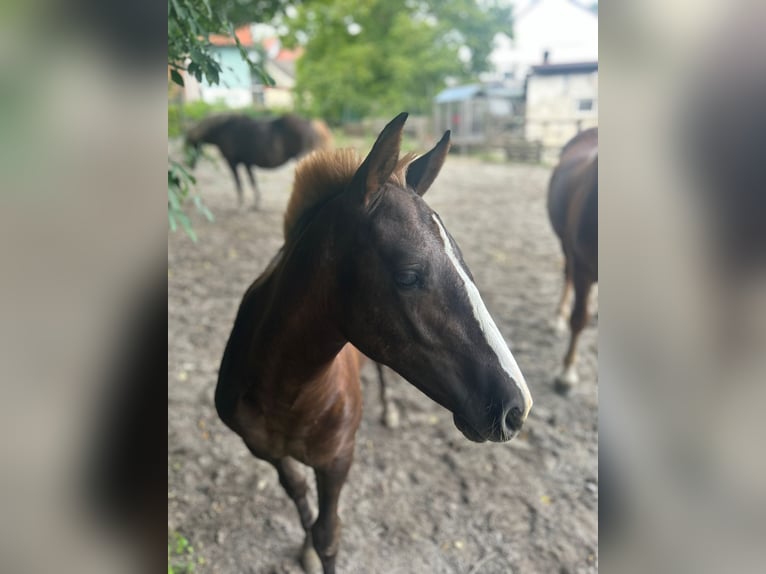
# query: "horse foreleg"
[[233, 167], [326, 529], [390, 414], [568, 377], [294, 482], [256, 191], [563, 307]]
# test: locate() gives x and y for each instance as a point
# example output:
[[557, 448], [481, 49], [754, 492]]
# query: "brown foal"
[[366, 265]]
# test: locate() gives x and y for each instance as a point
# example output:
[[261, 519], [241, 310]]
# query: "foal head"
[[408, 300]]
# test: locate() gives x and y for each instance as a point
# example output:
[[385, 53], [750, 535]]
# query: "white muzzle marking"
[[486, 324]]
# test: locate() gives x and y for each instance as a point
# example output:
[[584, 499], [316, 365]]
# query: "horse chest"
[[306, 436]]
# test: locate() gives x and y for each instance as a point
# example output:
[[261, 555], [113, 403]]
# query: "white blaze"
[[486, 324]]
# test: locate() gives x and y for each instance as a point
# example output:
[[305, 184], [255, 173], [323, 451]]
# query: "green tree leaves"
[[379, 57]]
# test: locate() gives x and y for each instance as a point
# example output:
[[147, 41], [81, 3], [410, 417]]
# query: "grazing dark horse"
[[573, 211], [262, 143], [366, 265]]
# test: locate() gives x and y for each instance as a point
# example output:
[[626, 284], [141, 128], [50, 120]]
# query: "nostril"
[[513, 419]]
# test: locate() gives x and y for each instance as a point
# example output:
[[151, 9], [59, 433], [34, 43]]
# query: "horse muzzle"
[[502, 430], [468, 431]]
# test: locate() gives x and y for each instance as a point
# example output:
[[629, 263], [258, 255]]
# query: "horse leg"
[[256, 191], [326, 529], [390, 415], [563, 307], [293, 482], [233, 167], [579, 317]]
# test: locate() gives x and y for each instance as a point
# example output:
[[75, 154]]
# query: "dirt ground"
[[420, 498]]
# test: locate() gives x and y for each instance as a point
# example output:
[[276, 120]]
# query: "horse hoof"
[[560, 325], [561, 386], [391, 418], [565, 381], [310, 561]]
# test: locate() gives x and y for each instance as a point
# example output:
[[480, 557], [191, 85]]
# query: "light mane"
[[324, 174]]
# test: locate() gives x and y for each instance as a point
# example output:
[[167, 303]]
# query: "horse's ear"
[[422, 172], [381, 161]]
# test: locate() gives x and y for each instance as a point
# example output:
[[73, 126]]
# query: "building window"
[[585, 105]]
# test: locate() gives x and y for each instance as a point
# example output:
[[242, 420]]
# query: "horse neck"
[[212, 136], [299, 334]]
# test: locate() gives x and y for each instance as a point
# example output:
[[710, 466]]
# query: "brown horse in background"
[[266, 143], [366, 265], [573, 211]]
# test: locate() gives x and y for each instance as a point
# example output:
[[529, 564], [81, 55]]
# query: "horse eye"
[[406, 278]]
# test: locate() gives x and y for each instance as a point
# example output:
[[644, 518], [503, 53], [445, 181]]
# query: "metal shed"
[[473, 112]]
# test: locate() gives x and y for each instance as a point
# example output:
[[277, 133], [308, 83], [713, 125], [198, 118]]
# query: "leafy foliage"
[[190, 24], [379, 57], [247, 11], [180, 183]]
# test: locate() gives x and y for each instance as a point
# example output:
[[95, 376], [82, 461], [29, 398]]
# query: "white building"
[[553, 57], [561, 100], [566, 30]]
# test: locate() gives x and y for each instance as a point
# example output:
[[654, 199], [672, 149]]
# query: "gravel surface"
[[420, 498]]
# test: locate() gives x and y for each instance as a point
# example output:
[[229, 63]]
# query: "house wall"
[[238, 89], [235, 88], [279, 96], [567, 31], [553, 113]]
